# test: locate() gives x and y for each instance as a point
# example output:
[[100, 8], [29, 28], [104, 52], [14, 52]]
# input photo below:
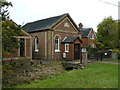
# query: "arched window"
[[57, 44], [36, 44]]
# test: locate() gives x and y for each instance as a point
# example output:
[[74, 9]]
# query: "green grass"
[[93, 76]]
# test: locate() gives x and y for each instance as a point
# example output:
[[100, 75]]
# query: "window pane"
[[36, 40], [56, 47], [57, 43], [36, 43], [66, 47]]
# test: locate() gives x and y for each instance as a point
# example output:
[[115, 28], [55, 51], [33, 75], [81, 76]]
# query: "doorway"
[[76, 51], [22, 47]]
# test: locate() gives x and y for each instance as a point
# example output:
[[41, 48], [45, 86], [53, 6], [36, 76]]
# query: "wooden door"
[[76, 51], [22, 47]]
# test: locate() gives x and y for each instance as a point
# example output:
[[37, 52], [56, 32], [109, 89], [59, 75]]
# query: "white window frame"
[[58, 44], [64, 39], [91, 36], [36, 44], [66, 47], [92, 45], [84, 49]]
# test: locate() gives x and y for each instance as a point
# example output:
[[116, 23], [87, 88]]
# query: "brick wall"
[[47, 40], [12, 55], [16, 55], [87, 41], [41, 43]]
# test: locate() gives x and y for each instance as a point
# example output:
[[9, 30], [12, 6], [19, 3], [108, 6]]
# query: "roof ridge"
[[44, 24]]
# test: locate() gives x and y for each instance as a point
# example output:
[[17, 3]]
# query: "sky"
[[88, 12]]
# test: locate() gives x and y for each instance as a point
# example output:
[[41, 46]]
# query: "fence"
[[102, 55]]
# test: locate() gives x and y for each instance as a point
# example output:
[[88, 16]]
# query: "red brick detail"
[[70, 54], [41, 45], [62, 27], [12, 55], [85, 42], [77, 42]]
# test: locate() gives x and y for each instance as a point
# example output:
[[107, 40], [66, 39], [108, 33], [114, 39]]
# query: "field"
[[98, 75]]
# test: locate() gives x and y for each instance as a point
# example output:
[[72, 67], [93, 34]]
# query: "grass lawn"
[[99, 75]]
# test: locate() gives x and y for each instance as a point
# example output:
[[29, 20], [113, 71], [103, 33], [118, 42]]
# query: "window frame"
[[36, 41], [66, 48], [91, 36], [84, 49], [58, 44]]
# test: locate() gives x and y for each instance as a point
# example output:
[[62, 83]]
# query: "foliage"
[[91, 51], [4, 12], [9, 30], [16, 73], [6, 67], [108, 33], [93, 76], [99, 45], [9, 33], [119, 34]]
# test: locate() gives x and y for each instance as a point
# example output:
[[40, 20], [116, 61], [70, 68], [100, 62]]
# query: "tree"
[[10, 31], [107, 33], [4, 10]]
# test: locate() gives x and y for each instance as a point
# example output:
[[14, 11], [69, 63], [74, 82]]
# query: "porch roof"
[[70, 40]]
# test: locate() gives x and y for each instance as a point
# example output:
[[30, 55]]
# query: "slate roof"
[[85, 32], [43, 24], [70, 39]]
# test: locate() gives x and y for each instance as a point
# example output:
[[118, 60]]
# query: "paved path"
[[110, 62]]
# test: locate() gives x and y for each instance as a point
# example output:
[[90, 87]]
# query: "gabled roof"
[[45, 24], [21, 32], [85, 32], [70, 39]]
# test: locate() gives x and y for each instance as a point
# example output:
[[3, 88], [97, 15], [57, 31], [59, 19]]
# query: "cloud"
[[89, 12]]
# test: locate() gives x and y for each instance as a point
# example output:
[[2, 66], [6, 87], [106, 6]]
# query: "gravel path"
[[110, 62]]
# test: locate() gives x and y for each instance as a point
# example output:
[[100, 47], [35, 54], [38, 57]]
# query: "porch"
[[71, 48]]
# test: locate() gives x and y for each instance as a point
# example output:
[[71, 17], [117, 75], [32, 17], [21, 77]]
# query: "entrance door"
[[76, 51], [22, 47]]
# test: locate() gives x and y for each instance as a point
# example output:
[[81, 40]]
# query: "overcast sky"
[[89, 12]]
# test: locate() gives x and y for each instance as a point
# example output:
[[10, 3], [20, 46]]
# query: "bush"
[[6, 67]]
